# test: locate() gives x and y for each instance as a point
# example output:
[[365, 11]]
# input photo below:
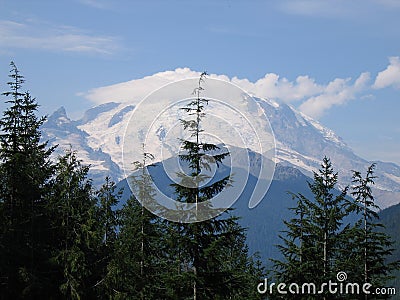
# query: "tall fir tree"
[[201, 264], [313, 241], [318, 244], [328, 211], [372, 245], [297, 248], [25, 168], [108, 217], [107, 199], [137, 266], [76, 229]]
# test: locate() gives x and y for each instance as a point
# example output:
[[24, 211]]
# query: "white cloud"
[[270, 86], [390, 76], [337, 92], [36, 35], [136, 90], [313, 99]]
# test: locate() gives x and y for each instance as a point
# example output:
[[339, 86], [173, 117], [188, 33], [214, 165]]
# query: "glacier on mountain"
[[301, 142]]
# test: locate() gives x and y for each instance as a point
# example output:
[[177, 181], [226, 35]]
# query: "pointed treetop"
[[16, 82]]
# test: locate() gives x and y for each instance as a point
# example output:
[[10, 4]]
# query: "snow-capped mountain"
[[64, 132], [301, 142]]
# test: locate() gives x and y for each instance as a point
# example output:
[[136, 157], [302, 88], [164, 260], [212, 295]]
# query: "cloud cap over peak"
[[312, 98]]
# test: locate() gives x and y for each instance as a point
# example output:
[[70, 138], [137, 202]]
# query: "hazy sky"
[[337, 61]]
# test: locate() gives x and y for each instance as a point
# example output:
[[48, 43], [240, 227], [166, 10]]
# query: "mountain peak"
[[59, 116], [94, 112], [301, 142], [61, 112]]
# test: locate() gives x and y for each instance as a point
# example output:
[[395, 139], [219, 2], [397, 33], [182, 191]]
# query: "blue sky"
[[337, 61]]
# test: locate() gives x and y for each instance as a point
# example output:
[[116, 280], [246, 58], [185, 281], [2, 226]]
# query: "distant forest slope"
[[390, 217]]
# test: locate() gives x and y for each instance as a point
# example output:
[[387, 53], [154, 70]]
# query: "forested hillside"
[[390, 218]]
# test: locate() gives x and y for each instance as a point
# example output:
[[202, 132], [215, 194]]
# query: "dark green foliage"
[[137, 264], [107, 232], [209, 259], [373, 245], [60, 238], [314, 238], [25, 169], [389, 217], [327, 213], [297, 245], [136, 267], [108, 198], [316, 231], [318, 244], [75, 226]]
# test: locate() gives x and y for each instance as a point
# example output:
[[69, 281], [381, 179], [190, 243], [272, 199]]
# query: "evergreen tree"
[[201, 265], [108, 222], [25, 169], [107, 199], [314, 239], [138, 263], [328, 211], [75, 228], [297, 248], [245, 271], [372, 245], [317, 244]]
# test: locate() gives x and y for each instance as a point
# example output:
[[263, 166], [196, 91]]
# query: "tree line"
[[333, 235], [61, 237]]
